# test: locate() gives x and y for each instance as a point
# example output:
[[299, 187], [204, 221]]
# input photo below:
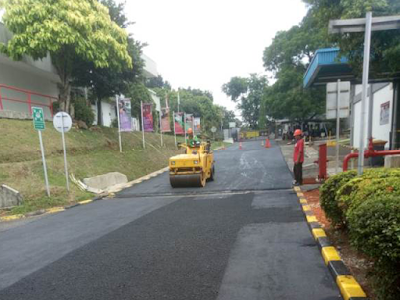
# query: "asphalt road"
[[242, 237]]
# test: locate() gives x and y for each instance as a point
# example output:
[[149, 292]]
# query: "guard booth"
[[328, 66]]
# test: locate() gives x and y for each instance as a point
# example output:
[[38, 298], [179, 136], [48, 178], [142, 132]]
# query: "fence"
[[12, 97]]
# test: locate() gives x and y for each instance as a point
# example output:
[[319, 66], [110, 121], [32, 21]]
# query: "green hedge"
[[369, 206], [337, 192], [374, 227], [328, 196]]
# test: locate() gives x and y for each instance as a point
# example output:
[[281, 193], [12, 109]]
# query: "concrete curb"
[[110, 194], [347, 284]]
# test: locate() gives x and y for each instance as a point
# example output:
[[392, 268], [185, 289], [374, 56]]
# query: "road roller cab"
[[193, 168]]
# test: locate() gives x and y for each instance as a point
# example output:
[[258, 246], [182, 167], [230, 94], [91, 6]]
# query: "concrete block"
[[103, 182], [392, 161], [9, 197]]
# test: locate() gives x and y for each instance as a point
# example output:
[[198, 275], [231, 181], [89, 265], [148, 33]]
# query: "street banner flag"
[[148, 117], [197, 127], [189, 121], [125, 117], [178, 118], [165, 125]]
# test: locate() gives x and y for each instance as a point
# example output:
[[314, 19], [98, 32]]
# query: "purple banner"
[[148, 117]]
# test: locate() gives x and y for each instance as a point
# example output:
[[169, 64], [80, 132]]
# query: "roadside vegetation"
[[90, 153], [367, 210]]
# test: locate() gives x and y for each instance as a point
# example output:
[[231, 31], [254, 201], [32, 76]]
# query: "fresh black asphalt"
[[221, 242]]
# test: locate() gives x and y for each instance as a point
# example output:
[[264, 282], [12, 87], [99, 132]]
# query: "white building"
[[25, 83], [382, 113], [108, 110]]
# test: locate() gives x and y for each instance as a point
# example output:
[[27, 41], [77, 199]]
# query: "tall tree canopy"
[[65, 29], [248, 94], [110, 81], [291, 52]]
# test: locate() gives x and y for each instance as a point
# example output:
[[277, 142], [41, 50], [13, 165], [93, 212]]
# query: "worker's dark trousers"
[[298, 173]]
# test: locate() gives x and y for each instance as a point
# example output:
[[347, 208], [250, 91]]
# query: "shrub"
[[374, 227], [328, 195], [337, 193], [83, 112], [359, 189]]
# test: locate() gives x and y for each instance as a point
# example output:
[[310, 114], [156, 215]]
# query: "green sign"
[[38, 118]]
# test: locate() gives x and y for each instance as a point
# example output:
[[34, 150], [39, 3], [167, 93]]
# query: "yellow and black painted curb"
[[110, 195], [347, 284]]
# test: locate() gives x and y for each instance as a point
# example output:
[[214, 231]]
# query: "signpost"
[[62, 123], [366, 25], [337, 106], [39, 125], [213, 130]]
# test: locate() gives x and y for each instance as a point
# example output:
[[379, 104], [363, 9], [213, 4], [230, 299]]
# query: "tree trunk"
[[99, 113]]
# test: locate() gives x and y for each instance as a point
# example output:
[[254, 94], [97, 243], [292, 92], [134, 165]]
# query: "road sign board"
[[213, 129], [62, 122], [331, 99], [38, 118]]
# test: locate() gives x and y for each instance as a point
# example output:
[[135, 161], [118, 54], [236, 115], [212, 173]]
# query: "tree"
[[288, 58], [248, 94], [385, 49], [110, 81], [66, 30]]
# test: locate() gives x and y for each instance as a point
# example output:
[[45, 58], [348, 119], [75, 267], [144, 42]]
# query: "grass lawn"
[[89, 153]]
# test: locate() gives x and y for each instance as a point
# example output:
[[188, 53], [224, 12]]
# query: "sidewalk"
[[310, 168]]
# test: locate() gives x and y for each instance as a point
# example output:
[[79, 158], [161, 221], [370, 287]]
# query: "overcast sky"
[[202, 44]]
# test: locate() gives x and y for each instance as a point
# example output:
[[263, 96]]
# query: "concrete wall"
[[381, 132]]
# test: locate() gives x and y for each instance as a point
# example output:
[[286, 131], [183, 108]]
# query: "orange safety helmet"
[[297, 132], [190, 131]]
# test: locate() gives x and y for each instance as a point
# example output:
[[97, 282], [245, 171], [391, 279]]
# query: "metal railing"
[[27, 97]]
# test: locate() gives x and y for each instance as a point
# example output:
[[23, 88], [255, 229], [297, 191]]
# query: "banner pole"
[[141, 109], [44, 164], [119, 124], [161, 130], [184, 124], [176, 144]]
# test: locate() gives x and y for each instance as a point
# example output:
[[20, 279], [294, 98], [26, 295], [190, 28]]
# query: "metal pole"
[[44, 164], [141, 109], [119, 124], [352, 95], [161, 131], [370, 111], [367, 48], [337, 125], [65, 151], [176, 143], [184, 124]]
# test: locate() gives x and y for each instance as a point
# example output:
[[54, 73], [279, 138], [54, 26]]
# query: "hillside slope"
[[90, 152]]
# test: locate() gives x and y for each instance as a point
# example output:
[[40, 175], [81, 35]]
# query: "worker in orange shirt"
[[298, 158]]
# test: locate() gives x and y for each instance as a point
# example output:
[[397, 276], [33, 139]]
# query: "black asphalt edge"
[[347, 284]]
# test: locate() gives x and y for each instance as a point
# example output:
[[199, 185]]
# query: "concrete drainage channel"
[[102, 194]]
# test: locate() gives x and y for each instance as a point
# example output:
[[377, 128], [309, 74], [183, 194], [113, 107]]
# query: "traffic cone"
[[240, 146], [267, 143]]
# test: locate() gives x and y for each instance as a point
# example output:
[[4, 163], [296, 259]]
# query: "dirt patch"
[[358, 264]]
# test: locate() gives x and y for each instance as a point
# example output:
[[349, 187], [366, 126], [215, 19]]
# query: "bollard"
[[322, 163]]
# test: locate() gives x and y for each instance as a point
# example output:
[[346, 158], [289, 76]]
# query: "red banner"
[[165, 126], [178, 118]]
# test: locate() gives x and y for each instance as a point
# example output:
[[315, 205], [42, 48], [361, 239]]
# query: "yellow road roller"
[[193, 168]]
